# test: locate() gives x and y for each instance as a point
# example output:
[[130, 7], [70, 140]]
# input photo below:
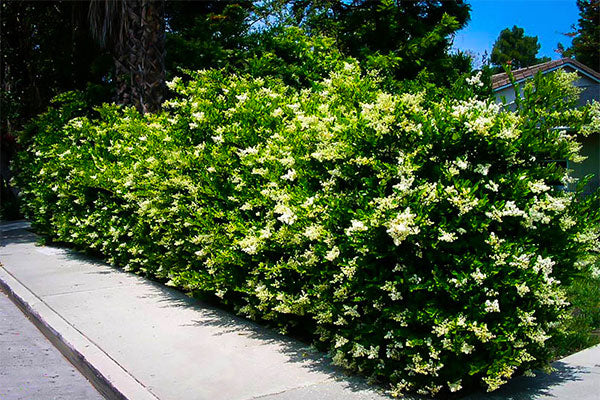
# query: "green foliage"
[[420, 242], [581, 328], [290, 54], [47, 47], [286, 53], [45, 51], [302, 52], [515, 48], [586, 42], [402, 38], [207, 35]]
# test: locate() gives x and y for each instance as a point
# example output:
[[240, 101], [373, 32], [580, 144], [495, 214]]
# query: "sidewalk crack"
[[261, 396]]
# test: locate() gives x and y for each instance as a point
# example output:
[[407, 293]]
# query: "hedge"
[[421, 243]]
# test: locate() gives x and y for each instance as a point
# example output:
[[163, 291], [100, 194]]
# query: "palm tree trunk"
[[134, 32], [139, 57]]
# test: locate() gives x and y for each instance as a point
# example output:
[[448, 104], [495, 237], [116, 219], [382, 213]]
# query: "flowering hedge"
[[424, 243]]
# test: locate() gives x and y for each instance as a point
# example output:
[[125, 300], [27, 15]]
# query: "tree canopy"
[[586, 36], [401, 37], [46, 49], [52, 47], [515, 48]]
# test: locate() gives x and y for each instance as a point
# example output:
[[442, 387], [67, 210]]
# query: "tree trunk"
[[139, 56]]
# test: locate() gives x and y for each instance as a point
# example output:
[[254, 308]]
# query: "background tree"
[[207, 34], [45, 49], [517, 48], [401, 38], [404, 40], [134, 33], [586, 36]]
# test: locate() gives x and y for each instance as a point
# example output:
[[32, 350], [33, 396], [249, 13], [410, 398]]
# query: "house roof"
[[500, 81]]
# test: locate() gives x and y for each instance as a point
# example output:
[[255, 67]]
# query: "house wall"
[[509, 94], [591, 150], [591, 88], [591, 91], [591, 144]]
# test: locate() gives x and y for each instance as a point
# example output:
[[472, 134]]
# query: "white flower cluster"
[[475, 80], [402, 226]]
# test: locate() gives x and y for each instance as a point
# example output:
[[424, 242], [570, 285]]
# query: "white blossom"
[[492, 306], [482, 169], [402, 226], [286, 215], [447, 236], [356, 226], [332, 254], [475, 80]]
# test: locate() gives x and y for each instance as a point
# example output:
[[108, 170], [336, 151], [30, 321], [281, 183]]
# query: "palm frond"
[[108, 20]]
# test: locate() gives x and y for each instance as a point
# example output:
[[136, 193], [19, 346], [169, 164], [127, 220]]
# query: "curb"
[[105, 374]]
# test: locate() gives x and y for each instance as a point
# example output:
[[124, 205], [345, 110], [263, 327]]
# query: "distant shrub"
[[424, 244]]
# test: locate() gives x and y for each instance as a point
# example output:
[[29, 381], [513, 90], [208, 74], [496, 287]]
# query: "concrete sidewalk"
[[31, 367], [136, 339]]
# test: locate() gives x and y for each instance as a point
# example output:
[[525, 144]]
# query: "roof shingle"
[[499, 80]]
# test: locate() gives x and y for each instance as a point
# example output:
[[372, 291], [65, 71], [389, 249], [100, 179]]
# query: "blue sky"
[[546, 19]]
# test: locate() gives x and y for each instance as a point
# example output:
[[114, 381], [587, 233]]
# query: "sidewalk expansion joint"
[[262, 396]]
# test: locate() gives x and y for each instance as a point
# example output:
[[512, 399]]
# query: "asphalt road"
[[30, 367]]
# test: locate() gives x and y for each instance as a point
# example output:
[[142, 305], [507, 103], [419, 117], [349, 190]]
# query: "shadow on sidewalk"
[[16, 232], [230, 324], [540, 386]]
